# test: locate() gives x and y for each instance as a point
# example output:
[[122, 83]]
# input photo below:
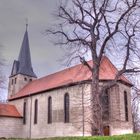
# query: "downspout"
[[30, 127], [83, 111]]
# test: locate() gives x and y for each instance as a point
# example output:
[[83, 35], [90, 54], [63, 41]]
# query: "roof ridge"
[[65, 69], [113, 66]]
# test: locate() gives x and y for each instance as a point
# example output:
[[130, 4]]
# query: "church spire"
[[22, 71], [24, 65]]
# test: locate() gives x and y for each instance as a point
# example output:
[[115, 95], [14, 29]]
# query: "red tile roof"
[[71, 75], [7, 110]]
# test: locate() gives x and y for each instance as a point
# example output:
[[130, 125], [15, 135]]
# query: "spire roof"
[[23, 65]]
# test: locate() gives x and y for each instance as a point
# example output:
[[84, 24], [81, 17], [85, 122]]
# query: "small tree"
[[99, 27]]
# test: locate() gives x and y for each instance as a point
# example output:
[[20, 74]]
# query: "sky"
[[44, 54]]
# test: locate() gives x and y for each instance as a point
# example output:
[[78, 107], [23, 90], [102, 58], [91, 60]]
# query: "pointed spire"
[[24, 65]]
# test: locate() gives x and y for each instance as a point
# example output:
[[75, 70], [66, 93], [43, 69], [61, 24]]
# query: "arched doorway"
[[106, 130]]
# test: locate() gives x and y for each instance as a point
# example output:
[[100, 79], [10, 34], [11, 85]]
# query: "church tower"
[[22, 72]]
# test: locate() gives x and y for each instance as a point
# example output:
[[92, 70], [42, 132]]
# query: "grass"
[[121, 137]]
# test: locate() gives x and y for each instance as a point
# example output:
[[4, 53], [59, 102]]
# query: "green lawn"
[[122, 137]]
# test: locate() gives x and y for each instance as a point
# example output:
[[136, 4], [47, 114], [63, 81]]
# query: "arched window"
[[35, 111], [50, 110], [25, 79], [66, 108], [12, 81], [105, 105], [15, 80], [24, 113], [126, 105]]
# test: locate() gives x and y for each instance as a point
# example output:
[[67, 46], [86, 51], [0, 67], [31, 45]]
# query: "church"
[[57, 105]]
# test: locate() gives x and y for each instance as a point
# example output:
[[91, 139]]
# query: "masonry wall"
[[79, 124], [17, 82], [10, 127], [118, 124], [57, 127]]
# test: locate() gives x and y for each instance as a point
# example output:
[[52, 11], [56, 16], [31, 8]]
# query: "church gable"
[[15, 68]]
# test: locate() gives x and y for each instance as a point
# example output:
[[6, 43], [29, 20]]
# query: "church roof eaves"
[[7, 110], [70, 76]]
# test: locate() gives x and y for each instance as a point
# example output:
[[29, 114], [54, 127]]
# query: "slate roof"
[[23, 65], [7, 110], [69, 76]]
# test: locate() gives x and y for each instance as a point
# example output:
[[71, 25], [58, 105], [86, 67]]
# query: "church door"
[[106, 130]]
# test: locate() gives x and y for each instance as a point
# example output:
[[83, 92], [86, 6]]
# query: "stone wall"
[[79, 124], [118, 124], [10, 127], [17, 82], [57, 127]]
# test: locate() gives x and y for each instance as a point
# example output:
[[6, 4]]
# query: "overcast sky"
[[44, 54]]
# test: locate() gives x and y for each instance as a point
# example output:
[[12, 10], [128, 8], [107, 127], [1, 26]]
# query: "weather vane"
[[26, 23]]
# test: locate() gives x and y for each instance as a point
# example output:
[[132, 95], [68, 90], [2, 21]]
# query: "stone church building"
[[58, 104]]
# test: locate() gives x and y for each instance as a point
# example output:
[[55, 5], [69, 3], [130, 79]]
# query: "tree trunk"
[[95, 103]]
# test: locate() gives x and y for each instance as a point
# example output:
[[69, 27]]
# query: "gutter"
[[63, 86]]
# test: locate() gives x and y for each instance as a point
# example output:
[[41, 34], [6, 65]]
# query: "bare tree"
[[2, 76], [99, 27], [2, 85], [135, 101]]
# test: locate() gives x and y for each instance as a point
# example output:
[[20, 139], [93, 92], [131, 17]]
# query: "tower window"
[[50, 110], [25, 79], [12, 81], [35, 111], [24, 113], [15, 80], [126, 106], [66, 108]]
